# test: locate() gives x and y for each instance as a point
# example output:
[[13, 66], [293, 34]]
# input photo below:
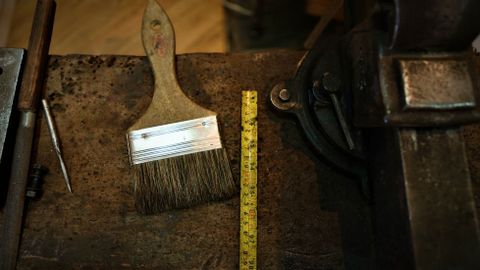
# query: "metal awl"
[[55, 142]]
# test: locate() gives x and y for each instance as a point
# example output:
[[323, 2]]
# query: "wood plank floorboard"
[[113, 26]]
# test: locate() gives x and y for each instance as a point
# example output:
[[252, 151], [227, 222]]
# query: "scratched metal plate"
[[436, 83]]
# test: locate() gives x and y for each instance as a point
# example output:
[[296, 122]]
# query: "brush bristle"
[[182, 181]]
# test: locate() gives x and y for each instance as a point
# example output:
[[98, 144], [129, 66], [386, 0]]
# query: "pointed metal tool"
[[56, 142]]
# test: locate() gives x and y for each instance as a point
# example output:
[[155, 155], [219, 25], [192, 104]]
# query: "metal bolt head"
[[281, 98], [330, 82], [284, 95]]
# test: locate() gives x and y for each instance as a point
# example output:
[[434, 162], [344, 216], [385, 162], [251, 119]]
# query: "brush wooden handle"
[[169, 103]]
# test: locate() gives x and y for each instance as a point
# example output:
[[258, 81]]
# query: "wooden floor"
[[113, 26]]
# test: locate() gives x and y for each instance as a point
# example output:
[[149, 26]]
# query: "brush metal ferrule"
[[171, 140]]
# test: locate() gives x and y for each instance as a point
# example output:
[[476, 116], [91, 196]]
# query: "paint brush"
[[175, 148]]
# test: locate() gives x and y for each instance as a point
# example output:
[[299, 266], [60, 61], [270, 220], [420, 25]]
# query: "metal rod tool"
[[56, 142]]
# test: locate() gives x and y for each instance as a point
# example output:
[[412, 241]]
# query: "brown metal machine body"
[[311, 216]]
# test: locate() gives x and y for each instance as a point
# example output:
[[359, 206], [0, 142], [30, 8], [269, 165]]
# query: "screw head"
[[284, 95], [330, 82], [281, 98]]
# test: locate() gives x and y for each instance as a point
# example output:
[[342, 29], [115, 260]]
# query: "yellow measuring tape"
[[248, 182]]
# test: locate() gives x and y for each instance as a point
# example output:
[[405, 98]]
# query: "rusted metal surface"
[[302, 207], [95, 99]]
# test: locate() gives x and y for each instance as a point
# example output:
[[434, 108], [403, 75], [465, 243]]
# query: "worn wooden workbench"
[[309, 217], [94, 100]]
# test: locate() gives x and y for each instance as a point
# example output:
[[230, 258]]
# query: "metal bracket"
[[323, 118]]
